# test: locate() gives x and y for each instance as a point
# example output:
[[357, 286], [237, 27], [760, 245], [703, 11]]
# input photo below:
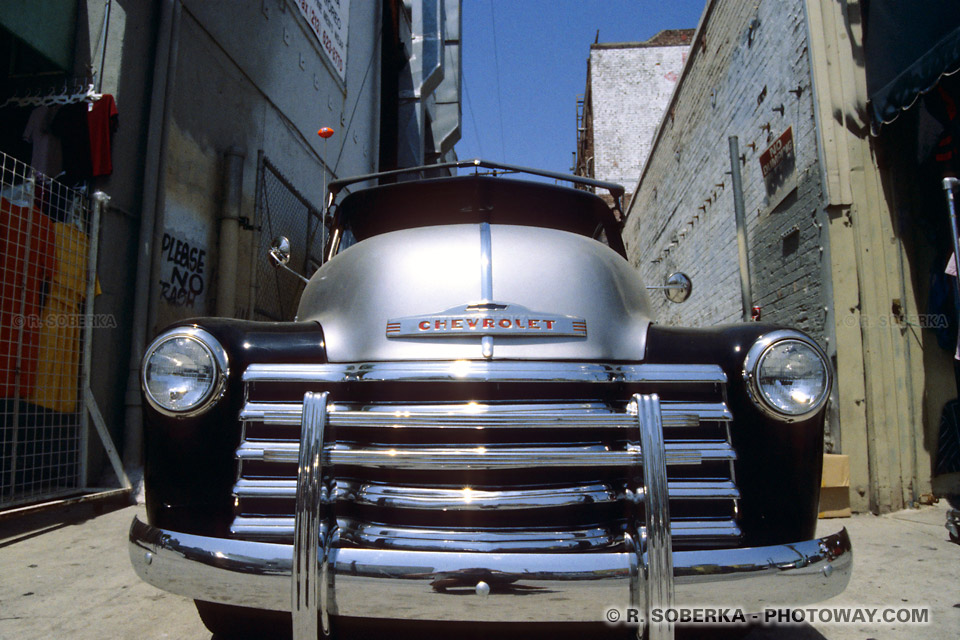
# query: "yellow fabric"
[[58, 370]]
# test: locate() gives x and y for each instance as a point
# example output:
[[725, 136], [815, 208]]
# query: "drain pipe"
[[229, 232], [746, 295], [164, 71]]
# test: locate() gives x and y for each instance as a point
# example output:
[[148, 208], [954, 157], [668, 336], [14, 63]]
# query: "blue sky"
[[526, 114]]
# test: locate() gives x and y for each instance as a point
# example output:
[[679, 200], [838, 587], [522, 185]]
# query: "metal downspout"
[[165, 62], [229, 232], [743, 247]]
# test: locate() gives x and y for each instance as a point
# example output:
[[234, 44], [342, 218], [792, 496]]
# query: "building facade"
[[215, 147], [835, 238], [628, 87]]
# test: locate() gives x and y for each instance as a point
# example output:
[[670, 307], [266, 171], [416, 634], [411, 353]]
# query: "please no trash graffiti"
[[186, 279]]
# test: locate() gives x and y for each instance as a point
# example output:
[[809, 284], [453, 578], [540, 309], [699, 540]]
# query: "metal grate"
[[283, 211], [44, 247]]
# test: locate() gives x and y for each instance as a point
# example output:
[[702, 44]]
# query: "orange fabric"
[[59, 342], [26, 267]]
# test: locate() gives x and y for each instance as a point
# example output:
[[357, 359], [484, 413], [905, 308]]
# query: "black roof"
[[478, 198]]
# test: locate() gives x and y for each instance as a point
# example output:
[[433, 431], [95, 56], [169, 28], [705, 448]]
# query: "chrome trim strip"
[[484, 371], [534, 541], [658, 556], [688, 452], [715, 530], [469, 499], [486, 281], [486, 263], [379, 536], [263, 527], [475, 415], [703, 489], [307, 602], [423, 585]]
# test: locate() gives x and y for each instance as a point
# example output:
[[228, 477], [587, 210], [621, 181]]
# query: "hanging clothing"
[[27, 265], [70, 125], [47, 156], [59, 340], [102, 119], [85, 129]]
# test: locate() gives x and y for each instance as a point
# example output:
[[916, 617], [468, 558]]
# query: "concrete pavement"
[[67, 575]]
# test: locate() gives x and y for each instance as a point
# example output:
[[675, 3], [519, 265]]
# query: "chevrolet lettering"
[[436, 438], [482, 319]]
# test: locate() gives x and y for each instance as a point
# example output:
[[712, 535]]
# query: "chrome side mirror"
[[677, 287], [280, 255], [280, 251]]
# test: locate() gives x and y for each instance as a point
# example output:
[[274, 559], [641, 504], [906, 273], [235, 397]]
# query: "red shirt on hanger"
[[102, 122]]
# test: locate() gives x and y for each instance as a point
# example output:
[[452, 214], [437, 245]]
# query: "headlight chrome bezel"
[[753, 360], [217, 354]]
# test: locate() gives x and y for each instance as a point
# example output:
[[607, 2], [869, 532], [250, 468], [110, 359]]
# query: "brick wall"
[[749, 76], [623, 129]]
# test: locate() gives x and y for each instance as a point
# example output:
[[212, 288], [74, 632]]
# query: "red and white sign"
[[779, 167], [329, 19]]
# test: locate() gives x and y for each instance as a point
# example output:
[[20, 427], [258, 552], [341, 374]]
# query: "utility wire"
[[373, 54], [496, 62], [466, 95]]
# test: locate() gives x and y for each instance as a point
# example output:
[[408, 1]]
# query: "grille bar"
[[472, 416], [469, 499], [483, 457], [378, 535], [479, 371]]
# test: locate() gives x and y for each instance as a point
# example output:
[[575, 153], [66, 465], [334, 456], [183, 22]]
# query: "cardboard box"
[[835, 486]]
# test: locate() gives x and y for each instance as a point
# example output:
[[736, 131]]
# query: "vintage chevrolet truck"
[[475, 419]]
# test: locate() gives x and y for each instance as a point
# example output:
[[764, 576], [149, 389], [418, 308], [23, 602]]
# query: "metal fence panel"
[[44, 246], [283, 211]]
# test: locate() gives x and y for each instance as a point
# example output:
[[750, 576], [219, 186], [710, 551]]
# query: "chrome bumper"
[[418, 585]]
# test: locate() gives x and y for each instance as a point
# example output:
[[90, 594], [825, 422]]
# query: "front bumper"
[[504, 587]]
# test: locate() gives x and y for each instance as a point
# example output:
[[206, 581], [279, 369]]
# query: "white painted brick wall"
[[631, 86], [719, 98]]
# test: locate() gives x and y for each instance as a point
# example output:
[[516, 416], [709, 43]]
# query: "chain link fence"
[[282, 211], [44, 247]]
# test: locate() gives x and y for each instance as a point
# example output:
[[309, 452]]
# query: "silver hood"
[[428, 275]]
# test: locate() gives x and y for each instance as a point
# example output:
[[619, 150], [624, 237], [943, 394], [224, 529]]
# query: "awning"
[[908, 46]]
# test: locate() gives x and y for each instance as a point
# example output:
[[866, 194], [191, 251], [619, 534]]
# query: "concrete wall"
[[127, 58], [244, 77], [254, 80]]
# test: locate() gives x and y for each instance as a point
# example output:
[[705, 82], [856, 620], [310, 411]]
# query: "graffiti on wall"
[[186, 280]]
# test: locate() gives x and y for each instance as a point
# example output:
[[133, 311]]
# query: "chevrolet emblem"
[[487, 319]]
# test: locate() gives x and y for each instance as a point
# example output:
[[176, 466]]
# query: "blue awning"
[[908, 46]]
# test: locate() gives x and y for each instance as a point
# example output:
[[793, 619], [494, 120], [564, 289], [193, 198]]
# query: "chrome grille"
[[482, 458]]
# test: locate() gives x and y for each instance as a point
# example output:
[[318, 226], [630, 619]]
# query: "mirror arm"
[[283, 266]]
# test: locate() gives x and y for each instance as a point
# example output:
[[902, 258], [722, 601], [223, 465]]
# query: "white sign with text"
[[329, 20]]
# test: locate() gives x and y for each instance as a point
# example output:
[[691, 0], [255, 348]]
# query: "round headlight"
[[184, 372], [787, 375]]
